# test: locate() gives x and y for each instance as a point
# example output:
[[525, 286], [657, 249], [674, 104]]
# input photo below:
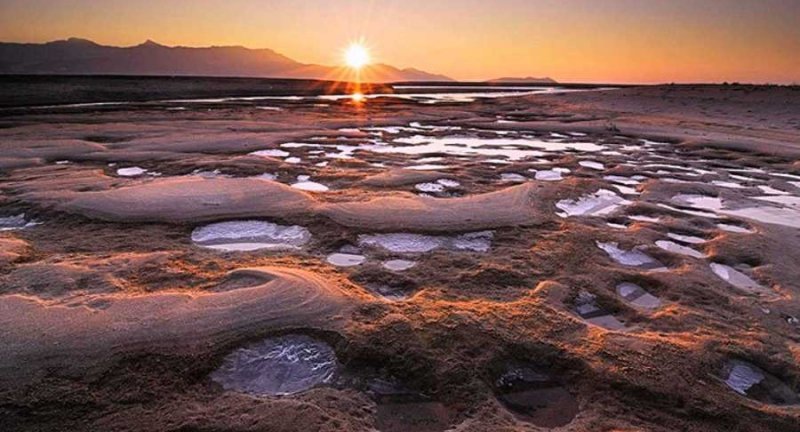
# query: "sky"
[[610, 41]]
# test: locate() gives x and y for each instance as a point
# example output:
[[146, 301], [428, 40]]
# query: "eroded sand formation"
[[611, 260]]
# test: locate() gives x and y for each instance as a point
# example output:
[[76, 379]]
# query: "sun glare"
[[356, 56], [358, 97]]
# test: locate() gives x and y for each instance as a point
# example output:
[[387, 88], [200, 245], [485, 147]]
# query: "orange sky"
[[569, 40]]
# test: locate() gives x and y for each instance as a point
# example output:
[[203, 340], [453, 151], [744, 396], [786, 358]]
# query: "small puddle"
[[671, 246], [274, 153], [250, 236], [345, 259], [513, 178], [586, 307], [727, 184], [399, 265], [626, 190], [131, 172], [630, 258], [592, 165], [751, 381], [536, 397], [627, 181], [548, 175], [438, 186], [278, 366], [644, 218], [772, 191], [448, 183], [735, 228], [688, 239], [736, 278], [600, 203], [427, 167], [637, 296]]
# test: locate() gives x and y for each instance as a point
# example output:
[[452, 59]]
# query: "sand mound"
[[11, 163], [508, 207], [37, 336], [51, 149], [191, 199]]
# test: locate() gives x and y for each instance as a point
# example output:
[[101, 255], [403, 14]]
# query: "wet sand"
[[603, 260]]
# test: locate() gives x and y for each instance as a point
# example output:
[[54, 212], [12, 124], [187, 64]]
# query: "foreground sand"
[[111, 318]]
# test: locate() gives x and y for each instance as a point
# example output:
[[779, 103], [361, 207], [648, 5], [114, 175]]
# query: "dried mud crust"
[[112, 319]]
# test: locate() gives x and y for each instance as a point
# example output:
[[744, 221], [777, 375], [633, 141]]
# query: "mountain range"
[[76, 56], [525, 80]]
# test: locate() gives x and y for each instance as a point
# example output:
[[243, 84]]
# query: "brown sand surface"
[[480, 293]]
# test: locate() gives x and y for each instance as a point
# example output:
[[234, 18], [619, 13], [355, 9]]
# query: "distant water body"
[[425, 94]]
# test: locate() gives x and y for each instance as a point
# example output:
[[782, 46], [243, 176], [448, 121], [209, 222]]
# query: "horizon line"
[[468, 80]]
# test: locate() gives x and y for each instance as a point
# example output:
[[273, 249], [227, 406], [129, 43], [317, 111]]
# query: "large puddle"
[[278, 366], [250, 236], [785, 212], [16, 222], [536, 397], [751, 381], [420, 243]]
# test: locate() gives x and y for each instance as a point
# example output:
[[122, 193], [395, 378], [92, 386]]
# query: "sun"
[[358, 97], [356, 56]]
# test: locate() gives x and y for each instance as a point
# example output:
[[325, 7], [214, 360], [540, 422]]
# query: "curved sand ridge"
[[36, 336], [194, 199], [191, 199], [508, 207]]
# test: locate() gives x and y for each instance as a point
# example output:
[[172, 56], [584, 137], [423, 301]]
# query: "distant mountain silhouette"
[[526, 80], [76, 56]]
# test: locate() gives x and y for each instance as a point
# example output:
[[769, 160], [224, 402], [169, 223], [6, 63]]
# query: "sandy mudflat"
[[605, 260]]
